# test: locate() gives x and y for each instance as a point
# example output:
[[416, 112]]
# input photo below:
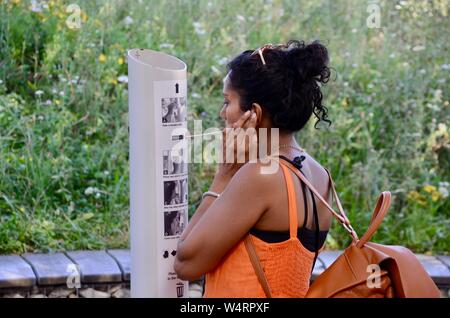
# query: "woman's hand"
[[237, 142]]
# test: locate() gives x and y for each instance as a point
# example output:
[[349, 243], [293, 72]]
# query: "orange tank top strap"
[[292, 202]]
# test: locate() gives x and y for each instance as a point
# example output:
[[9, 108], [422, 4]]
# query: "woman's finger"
[[251, 122], [242, 119]]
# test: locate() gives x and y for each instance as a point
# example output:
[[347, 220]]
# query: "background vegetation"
[[63, 110]]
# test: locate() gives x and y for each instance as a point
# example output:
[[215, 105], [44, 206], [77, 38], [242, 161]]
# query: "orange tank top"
[[287, 264]]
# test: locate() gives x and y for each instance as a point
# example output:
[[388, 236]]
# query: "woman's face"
[[231, 110]]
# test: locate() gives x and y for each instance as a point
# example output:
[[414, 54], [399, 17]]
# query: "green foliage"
[[63, 110]]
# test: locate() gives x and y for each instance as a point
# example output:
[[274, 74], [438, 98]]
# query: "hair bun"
[[308, 60]]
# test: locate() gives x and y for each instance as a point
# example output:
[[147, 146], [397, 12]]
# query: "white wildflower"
[[39, 92], [123, 79], [444, 192], [198, 28], [36, 6], [223, 61], [128, 20], [89, 190], [418, 48], [166, 46]]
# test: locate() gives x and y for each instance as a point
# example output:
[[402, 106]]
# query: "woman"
[[273, 87]]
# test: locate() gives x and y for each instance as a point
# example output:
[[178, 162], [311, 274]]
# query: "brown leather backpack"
[[364, 269]]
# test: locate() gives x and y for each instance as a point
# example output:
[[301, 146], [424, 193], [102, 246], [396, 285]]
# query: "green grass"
[[64, 150]]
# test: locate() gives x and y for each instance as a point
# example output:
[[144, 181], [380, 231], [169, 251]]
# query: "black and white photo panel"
[[174, 110], [175, 192], [174, 162], [174, 222]]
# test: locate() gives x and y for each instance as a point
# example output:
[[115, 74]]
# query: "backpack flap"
[[409, 278]]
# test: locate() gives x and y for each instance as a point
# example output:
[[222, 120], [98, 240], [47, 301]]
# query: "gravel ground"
[[109, 291]]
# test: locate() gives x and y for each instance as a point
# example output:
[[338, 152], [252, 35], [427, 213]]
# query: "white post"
[[158, 170]]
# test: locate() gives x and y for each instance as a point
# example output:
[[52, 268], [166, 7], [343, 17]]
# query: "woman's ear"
[[256, 108]]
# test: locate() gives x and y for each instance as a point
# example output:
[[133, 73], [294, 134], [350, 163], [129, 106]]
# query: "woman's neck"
[[274, 142]]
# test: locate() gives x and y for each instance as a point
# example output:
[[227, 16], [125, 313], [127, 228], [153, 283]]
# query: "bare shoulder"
[[315, 170], [260, 173]]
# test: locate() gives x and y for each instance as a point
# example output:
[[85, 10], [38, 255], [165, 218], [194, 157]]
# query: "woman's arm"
[[224, 222], [219, 184]]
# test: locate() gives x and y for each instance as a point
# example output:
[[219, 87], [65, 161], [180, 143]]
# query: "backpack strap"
[[341, 216], [382, 207], [257, 265]]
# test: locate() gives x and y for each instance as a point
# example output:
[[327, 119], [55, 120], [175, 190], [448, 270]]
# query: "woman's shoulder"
[[263, 172], [260, 170]]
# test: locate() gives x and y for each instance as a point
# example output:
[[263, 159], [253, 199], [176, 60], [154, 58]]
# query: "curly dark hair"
[[288, 86]]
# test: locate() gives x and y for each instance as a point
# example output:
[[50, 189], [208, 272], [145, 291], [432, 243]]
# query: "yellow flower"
[[22, 209], [436, 195], [113, 81], [102, 58], [120, 61], [84, 16], [413, 195], [57, 102], [429, 188], [416, 197], [344, 102]]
